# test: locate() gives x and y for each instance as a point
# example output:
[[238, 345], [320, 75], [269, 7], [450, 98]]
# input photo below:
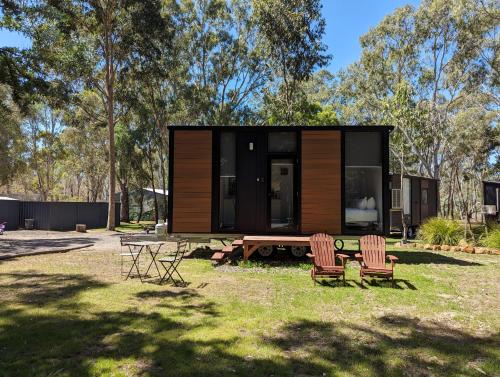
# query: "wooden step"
[[218, 256], [227, 249], [237, 243]]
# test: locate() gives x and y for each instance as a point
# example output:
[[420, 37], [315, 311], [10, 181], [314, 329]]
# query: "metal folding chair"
[[171, 262], [130, 254]]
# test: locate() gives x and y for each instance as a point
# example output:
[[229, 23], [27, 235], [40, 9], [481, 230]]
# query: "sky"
[[346, 21]]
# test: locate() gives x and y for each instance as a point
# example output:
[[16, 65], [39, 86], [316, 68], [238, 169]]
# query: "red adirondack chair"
[[372, 258], [323, 257]]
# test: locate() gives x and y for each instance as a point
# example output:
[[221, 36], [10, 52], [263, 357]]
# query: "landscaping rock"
[[481, 250], [495, 251], [428, 246], [436, 247], [445, 247], [469, 249]]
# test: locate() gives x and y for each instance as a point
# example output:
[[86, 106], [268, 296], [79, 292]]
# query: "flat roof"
[[281, 128]]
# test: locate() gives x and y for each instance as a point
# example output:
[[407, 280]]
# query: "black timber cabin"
[[279, 180], [419, 199], [491, 200]]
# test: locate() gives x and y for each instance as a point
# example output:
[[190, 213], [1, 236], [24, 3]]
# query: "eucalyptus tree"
[[11, 138], [86, 44], [226, 63], [403, 113], [290, 32], [443, 50], [44, 150]]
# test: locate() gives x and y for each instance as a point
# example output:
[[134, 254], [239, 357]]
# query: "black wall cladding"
[[56, 215]]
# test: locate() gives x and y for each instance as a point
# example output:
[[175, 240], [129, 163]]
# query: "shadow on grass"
[[36, 288], [395, 346], [427, 257], [158, 342]]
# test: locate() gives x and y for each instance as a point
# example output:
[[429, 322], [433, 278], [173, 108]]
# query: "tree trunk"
[[164, 182], [403, 218], [150, 160], [110, 76], [141, 205], [125, 204]]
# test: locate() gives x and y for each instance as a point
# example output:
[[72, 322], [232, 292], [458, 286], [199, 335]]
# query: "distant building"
[[147, 195]]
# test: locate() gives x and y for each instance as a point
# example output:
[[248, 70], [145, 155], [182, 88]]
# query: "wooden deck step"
[[227, 249], [218, 256], [237, 243]]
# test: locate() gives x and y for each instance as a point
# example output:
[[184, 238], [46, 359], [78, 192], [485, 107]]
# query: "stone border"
[[465, 249]]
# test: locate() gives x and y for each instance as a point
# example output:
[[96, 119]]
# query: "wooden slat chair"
[[323, 257], [372, 259]]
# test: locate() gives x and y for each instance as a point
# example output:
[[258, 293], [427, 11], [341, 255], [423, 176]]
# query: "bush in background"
[[492, 239], [440, 231]]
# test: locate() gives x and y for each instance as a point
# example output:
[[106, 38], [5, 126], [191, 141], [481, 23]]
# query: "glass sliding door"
[[363, 181], [282, 194], [227, 181]]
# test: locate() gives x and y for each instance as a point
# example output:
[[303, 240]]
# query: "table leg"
[[135, 261], [153, 260]]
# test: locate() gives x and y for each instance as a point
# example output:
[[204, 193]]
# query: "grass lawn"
[[124, 227], [72, 314]]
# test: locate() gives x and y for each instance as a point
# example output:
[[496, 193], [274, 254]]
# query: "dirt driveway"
[[29, 242]]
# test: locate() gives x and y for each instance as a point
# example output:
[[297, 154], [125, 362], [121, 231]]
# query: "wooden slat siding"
[[321, 182], [192, 185]]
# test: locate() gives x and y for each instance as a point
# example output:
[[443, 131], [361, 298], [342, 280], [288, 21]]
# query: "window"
[[282, 194], [282, 142], [424, 196], [227, 181], [396, 199], [363, 181]]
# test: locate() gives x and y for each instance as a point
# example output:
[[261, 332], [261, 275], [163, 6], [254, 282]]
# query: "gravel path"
[[29, 242]]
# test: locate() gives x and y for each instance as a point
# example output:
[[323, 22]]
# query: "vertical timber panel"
[[321, 182], [192, 182]]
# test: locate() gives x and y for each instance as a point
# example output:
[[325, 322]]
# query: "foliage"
[[44, 149], [290, 32], [492, 239], [441, 231], [11, 140]]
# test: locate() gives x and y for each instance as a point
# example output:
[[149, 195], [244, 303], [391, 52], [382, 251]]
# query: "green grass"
[[72, 315], [132, 227]]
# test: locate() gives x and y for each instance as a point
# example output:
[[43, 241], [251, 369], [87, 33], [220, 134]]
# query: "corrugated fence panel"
[[9, 212], [62, 215], [56, 215]]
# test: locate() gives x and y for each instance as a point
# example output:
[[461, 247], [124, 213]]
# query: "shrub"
[[440, 231], [492, 239]]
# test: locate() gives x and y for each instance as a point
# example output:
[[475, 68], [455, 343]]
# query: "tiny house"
[[418, 199], [491, 200], [279, 180]]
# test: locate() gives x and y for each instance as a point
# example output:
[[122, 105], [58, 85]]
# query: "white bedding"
[[354, 215]]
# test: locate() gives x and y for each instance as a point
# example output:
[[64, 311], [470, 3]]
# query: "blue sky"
[[346, 21]]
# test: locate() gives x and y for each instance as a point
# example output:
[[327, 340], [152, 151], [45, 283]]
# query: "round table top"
[[144, 243]]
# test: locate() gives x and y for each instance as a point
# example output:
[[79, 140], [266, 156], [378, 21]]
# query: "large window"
[[227, 182], [363, 181]]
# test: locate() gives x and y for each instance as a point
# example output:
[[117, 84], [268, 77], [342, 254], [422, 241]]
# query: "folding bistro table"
[[136, 248]]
